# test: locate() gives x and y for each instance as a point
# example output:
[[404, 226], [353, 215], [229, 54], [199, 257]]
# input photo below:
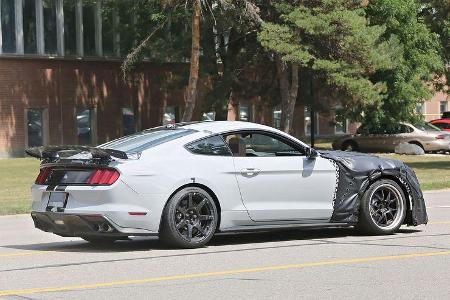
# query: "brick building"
[[60, 81]]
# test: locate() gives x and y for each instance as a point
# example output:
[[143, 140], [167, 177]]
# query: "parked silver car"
[[427, 136]]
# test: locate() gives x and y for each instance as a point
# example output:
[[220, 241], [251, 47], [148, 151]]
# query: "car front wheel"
[[383, 208], [189, 219]]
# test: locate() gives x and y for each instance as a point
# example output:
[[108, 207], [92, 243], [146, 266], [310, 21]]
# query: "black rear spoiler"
[[53, 153]]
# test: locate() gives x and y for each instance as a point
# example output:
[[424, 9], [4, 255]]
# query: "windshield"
[[146, 139], [427, 127]]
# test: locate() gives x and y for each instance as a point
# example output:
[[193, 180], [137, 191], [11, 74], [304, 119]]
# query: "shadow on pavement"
[[239, 243], [235, 239]]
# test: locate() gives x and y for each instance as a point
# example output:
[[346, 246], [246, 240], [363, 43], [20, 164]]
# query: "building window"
[[89, 27], [70, 31], [35, 127], [49, 8], [277, 118], [443, 106], [419, 108], [171, 115], [244, 113], [108, 29], [8, 26], [340, 127], [29, 26], [84, 126], [127, 21], [128, 122], [209, 116], [308, 118]]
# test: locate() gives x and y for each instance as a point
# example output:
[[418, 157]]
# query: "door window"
[[259, 145]]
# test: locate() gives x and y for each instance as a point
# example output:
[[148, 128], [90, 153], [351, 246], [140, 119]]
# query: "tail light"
[[103, 177], [43, 174], [441, 137], [56, 176]]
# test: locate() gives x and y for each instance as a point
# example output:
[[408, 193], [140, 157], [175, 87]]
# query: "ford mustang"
[[185, 182]]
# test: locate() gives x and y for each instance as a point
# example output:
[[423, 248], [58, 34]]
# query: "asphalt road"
[[326, 263]]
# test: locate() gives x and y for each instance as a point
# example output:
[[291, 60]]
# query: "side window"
[[405, 129], [210, 146], [259, 145]]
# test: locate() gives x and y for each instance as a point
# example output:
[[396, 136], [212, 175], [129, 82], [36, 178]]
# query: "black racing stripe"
[[50, 188]]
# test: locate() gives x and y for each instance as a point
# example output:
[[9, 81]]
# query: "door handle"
[[250, 172]]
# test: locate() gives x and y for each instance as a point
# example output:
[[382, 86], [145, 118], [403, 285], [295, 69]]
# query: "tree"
[[332, 41], [418, 62], [437, 15], [246, 9], [191, 92]]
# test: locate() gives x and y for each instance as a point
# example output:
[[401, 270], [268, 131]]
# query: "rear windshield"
[[146, 139], [427, 127]]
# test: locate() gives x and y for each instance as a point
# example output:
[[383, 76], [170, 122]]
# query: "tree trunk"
[[191, 91], [289, 91], [233, 108]]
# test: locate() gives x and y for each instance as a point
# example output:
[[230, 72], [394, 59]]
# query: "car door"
[[277, 181]]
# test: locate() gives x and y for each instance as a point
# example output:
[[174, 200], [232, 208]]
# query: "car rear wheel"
[[189, 219], [383, 208], [349, 146]]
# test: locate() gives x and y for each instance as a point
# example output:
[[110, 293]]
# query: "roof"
[[440, 121], [222, 126]]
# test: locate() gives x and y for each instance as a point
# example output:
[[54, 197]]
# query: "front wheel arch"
[[199, 185]]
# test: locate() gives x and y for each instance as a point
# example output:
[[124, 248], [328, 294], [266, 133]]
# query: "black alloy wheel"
[[383, 208], [189, 219]]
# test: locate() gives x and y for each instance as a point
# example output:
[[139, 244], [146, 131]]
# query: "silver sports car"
[[185, 182]]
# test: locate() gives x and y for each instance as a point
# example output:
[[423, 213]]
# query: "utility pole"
[[311, 109]]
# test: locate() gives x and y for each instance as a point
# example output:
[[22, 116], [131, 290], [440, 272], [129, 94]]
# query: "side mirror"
[[311, 153]]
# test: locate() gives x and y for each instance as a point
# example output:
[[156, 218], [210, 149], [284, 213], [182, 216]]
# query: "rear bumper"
[[438, 145], [76, 225]]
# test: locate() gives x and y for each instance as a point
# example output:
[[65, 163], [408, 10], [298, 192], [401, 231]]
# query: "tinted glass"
[[146, 139], [84, 131], [107, 28], [210, 146], [126, 28], [49, 7], [8, 19], [171, 115], [426, 127], [70, 34], [89, 27], [34, 127], [244, 113], [259, 145], [29, 26], [128, 121]]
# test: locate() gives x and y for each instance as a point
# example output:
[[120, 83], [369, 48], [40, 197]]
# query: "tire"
[[349, 146], [378, 216], [189, 219], [98, 241], [418, 144]]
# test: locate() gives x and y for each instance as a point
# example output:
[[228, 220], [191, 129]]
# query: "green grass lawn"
[[17, 175], [433, 171]]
